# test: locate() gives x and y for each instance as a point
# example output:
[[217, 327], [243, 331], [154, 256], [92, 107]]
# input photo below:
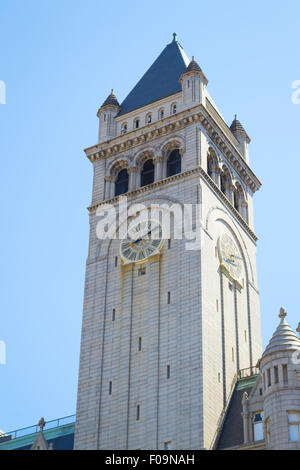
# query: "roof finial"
[[174, 37], [298, 329], [41, 424], [112, 91], [235, 116], [282, 313], [193, 57]]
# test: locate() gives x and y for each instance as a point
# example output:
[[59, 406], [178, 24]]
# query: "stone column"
[[244, 210], [245, 415], [112, 186], [216, 175], [229, 192], [108, 184], [158, 162], [132, 184]]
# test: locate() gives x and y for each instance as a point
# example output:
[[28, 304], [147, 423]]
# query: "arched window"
[[147, 175], [174, 108], [223, 183], [124, 128], [121, 183], [136, 123], [210, 166], [161, 113], [149, 118], [174, 163], [236, 198]]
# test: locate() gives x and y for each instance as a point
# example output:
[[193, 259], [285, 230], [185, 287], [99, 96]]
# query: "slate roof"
[[160, 80], [111, 100], [236, 126], [232, 431], [193, 67]]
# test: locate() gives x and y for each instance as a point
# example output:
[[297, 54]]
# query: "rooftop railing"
[[56, 423], [249, 372]]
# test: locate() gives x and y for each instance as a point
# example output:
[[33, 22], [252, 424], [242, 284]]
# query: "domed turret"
[[106, 114], [242, 137], [193, 83], [280, 369]]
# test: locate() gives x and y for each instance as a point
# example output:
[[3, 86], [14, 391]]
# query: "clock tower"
[[170, 317]]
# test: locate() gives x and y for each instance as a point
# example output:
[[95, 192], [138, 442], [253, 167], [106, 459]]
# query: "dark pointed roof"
[[193, 67], [236, 126], [111, 100], [160, 80]]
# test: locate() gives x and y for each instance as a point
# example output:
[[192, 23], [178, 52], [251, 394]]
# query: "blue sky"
[[59, 60]]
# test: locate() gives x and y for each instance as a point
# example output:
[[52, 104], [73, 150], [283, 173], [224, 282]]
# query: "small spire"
[[42, 424], [193, 57], [174, 37], [282, 313]]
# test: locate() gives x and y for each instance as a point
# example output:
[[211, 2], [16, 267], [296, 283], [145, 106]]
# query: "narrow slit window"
[[276, 375], [140, 343], [285, 374], [169, 297], [269, 377], [110, 387], [138, 413], [116, 261], [168, 371], [113, 314]]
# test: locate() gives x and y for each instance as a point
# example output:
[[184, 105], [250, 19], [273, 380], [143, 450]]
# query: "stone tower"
[[167, 325], [280, 371]]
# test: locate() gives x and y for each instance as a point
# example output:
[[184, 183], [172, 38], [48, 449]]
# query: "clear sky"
[[59, 60]]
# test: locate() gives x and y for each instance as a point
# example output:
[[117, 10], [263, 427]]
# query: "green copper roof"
[[59, 431], [160, 80]]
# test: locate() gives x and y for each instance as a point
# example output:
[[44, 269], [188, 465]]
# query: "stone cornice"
[[126, 142], [195, 171]]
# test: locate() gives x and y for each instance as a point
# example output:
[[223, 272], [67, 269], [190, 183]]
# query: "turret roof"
[[111, 100], [284, 338]]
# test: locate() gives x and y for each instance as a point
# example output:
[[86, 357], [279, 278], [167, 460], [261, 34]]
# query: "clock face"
[[142, 241], [230, 256]]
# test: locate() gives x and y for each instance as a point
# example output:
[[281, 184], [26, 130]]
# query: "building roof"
[[193, 67], [160, 80], [284, 338], [58, 434], [232, 432], [237, 128], [111, 100]]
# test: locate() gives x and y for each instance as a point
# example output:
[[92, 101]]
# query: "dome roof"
[[284, 338], [111, 100]]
